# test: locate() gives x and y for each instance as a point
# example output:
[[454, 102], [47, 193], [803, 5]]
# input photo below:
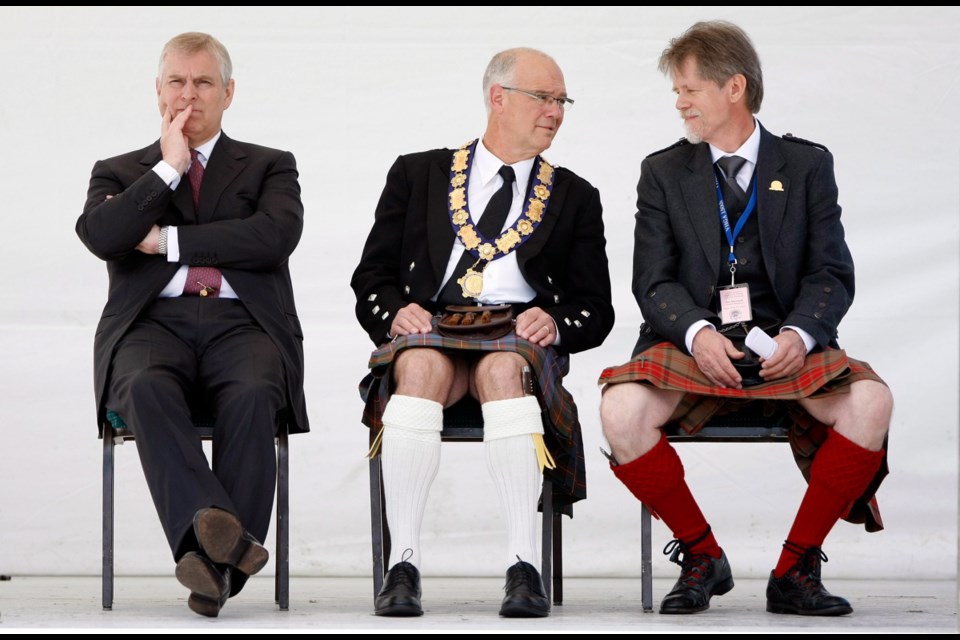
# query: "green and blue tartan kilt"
[[562, 433]]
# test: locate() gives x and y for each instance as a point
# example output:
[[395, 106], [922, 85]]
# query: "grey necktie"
[[733, 195]]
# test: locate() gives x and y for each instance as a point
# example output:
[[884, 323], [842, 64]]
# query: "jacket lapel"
[[771, 198], [700, 197], [223, 166], [538, 238], [440, 236]]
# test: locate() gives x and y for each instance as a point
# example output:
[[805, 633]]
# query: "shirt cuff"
[[692, 331], [167, 173], [808, 340], [173, 245]]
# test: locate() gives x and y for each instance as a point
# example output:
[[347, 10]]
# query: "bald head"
[[503, 66]]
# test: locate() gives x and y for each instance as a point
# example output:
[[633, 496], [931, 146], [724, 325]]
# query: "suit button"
[[651, 294], [744, 261], [822, 304], [672, 317], [827, 289], [818, 315], [663, 305]]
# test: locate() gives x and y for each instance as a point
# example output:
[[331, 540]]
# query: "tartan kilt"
[[824, 373], [561, 423]]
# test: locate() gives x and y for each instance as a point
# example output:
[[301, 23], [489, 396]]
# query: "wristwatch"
[[162, 244]]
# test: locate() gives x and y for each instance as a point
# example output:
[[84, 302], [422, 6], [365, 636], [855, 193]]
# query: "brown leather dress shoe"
[[701, 577], [799, 591], [526, 597], [209, 586], [400, 594], [225, 541]]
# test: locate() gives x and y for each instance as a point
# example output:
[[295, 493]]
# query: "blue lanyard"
[[725, 219]]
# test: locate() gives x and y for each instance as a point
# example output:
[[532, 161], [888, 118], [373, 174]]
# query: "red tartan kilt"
[[824, 373]]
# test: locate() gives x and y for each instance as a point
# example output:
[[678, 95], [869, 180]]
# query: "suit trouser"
[[190, 350]]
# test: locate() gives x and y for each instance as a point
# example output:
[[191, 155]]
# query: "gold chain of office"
[[515, 235]]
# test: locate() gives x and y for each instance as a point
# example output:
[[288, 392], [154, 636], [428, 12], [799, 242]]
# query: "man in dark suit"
[[430, 247], [196, 230], [754, 240]]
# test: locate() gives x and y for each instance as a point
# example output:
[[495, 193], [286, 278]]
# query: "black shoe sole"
[[521, 611], [838, 610], [724, 587], [400, 611]]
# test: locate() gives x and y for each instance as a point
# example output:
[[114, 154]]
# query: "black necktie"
[[489, 226], [733, 195]]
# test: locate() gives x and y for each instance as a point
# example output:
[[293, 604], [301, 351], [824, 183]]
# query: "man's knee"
[[630, 408], [874, 403], [423, 372], [499, 376]]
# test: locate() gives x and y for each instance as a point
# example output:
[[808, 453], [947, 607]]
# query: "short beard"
[[692, 134]]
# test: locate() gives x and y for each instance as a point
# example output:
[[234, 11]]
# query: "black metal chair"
[[115, 432], [749, 424], [463, 422]]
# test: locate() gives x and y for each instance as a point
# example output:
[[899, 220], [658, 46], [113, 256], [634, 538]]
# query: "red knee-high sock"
[[656, 479], [840, 473]]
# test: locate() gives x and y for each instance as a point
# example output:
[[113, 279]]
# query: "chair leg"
[[107, 568], [646, 560], [557, 559], [282, 585], [377, 523], [546, 563]]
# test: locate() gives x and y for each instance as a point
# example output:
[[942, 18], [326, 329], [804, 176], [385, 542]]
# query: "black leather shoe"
[[209, 586], [400, 593], [225, 541], [525, 596], [800, 591], [701, 577]]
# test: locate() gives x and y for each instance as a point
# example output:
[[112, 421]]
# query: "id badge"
[[735, 304]]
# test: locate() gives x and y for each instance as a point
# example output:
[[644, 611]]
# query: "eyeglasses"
[[545, 100]]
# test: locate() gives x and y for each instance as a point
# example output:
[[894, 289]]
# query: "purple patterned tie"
[[201, 281]]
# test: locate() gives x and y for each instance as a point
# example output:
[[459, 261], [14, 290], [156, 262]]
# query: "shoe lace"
[[521, 577], [400, 574], [694, 567], [806, 571]]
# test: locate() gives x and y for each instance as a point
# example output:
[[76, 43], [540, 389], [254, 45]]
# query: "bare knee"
[[874, 403], [632, 414], [498, 376], [424, 373]]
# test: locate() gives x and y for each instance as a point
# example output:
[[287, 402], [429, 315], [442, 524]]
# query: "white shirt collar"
[[207, 148], [486, 165], [748, 150]]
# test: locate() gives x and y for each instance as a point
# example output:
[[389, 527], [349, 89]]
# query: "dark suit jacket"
[[407, 251], [678, 234], [251, 223]]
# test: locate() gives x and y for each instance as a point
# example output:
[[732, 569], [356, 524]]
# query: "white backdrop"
[[347, 90]]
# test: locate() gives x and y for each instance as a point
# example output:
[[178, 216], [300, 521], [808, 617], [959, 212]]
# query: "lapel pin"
[[776, 185]]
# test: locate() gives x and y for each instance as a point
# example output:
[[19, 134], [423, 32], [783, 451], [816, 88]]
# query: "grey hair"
[[502, 67], [194, 41], [722, 50]]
